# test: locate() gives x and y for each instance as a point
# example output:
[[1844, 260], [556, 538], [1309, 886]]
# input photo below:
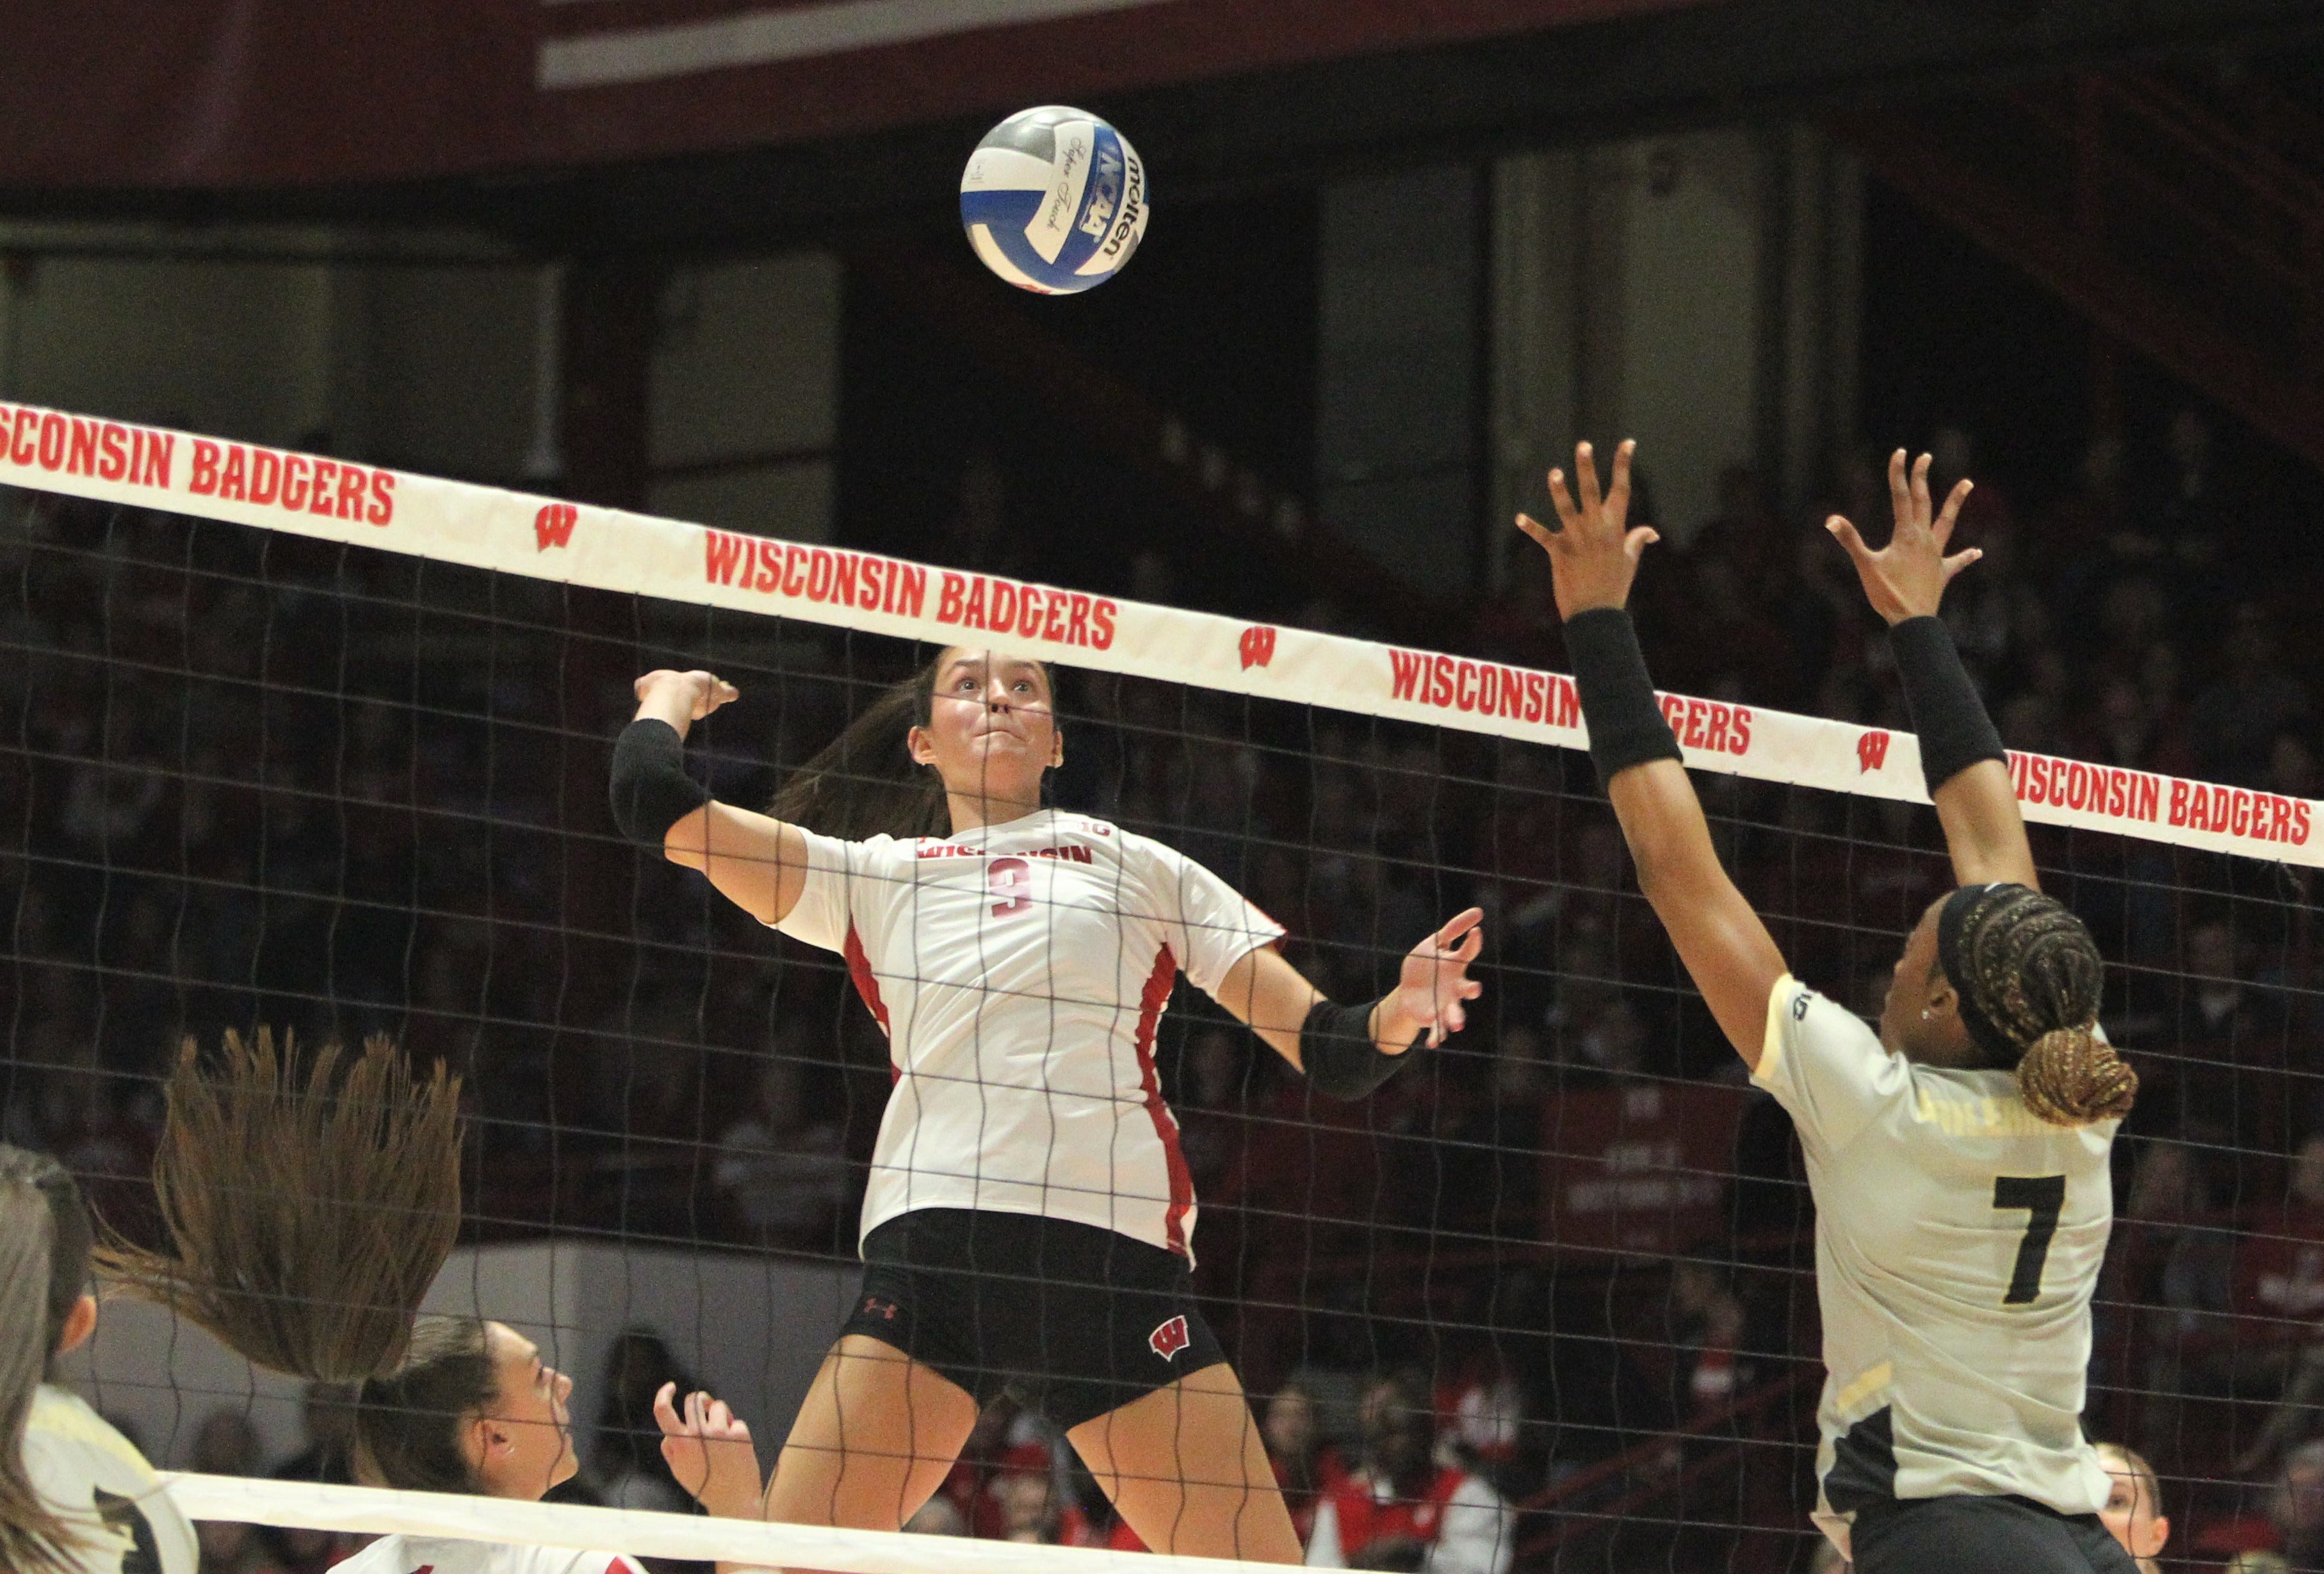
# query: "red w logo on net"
[[1871, 750], [553, 524], [1170, 1337], [1258, 645]]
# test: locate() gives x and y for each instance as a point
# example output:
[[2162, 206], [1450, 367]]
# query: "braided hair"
[[2028, 974]]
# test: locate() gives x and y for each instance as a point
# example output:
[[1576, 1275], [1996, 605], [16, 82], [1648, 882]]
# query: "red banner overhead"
[[1638, 1169], [263, 93]]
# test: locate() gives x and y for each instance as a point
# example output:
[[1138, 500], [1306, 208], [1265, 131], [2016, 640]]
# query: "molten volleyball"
[[1053, 200]]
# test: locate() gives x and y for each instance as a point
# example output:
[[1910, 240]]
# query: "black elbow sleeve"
[[1948, 716], [1335, 1046], [650, 790]]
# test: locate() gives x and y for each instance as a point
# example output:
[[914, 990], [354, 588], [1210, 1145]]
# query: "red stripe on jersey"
[[1165, 1125], [859, 969]]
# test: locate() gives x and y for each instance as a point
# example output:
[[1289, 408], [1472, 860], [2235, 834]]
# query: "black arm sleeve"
[[651, 789], [1948, 716], [1335, 1045], [1626, 725]]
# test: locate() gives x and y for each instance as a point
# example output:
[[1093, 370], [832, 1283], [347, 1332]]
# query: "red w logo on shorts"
[[1170, 1337]]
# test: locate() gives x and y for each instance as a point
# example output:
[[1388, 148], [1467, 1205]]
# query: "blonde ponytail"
[[34, 1538], [2070, 1076]]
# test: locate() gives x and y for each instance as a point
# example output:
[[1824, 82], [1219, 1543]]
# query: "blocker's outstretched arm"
[[1961, 757], [757, 862], [1593, 557]]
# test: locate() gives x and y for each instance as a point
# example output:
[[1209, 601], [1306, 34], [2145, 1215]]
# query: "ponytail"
[[865, 782], [308, 1212], [2071, 1077], [43, 1270]]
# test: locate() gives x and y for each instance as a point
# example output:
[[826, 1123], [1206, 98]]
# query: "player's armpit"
[[1268, 995], [1727, 950], [757, 862]]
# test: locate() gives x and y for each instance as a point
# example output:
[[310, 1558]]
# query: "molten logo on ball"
[[1053, 200], [1170, 1337]]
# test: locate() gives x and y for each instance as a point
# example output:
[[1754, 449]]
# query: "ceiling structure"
[[679, 125]]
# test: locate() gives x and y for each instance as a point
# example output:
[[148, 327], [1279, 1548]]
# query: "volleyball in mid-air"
[[1053, 200]]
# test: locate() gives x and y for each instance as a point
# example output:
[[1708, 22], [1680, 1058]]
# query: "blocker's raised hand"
[[1593, 552], [1907, 578], [1432, 985]]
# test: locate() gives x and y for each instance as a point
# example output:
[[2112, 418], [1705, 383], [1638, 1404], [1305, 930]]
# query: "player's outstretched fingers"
[[1850, 542], [1562, 499]]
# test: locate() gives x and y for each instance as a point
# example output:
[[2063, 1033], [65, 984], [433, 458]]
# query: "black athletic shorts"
[[1982, 1535], [1066, 1318]]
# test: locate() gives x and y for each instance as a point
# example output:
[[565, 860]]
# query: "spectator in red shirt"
[[1403, 1511], [2279, 1291], [1305, 1466]]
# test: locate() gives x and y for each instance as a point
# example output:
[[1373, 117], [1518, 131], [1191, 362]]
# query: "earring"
[[1924, 1013]]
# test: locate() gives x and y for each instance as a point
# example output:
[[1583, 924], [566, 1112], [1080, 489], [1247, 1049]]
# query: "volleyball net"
[[298, 741]]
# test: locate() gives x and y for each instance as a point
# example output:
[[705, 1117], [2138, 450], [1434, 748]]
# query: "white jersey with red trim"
[[435, 1555], [1020, 972]]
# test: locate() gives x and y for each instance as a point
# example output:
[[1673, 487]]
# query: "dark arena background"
[[312, 316]]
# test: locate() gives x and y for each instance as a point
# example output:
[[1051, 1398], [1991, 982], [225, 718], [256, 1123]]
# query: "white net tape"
[[368, 1510], [542, 538]]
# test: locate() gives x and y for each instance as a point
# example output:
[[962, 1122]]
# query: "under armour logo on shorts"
[[1170, 1337], [876, 1307]]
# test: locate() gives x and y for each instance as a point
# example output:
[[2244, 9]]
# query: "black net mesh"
[[253, 778]]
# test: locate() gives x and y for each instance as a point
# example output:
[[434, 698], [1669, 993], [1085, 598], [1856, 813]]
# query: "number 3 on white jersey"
[[1012, 879]]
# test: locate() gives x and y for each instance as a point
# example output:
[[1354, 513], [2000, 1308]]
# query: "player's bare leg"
[[875, 1438], [1186, 1470]]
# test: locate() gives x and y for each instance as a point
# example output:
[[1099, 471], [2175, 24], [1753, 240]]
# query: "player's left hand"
[[710, 1452], [1430, 991]]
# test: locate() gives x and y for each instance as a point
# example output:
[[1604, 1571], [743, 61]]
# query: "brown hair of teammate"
[[2029, 975], [864, 783], [44, 1248], [308, 1209]]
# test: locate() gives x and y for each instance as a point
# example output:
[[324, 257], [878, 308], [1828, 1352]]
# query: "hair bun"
[[2071, 1077]]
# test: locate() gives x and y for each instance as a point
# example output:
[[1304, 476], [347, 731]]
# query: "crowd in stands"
[[274, 781]]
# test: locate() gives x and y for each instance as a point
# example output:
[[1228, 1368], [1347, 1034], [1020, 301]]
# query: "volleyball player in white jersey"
[[1028, 1221], [76, 1497], [308, 1214], [1959, 1156]]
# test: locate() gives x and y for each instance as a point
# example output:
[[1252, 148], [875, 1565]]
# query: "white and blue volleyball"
[[1053, 200]]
